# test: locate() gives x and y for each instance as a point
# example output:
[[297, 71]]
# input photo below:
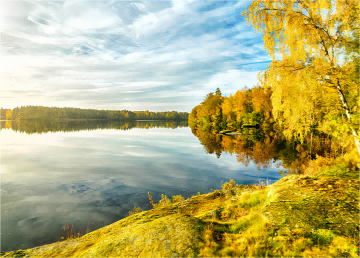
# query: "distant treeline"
[[40, 126], [40, 112], [3, 113]]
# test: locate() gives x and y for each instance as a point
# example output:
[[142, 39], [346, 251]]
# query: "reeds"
[[135, 210], [263, 183], [71, 234]]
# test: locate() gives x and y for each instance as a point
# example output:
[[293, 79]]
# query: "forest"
[[308, 94], [40, 112], [246, 107]]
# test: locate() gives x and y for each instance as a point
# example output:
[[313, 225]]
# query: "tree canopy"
[[315, 79], [247, 106]]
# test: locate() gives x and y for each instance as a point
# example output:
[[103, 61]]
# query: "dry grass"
[[71, 234]]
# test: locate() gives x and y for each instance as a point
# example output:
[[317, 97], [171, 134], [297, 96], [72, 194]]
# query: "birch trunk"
[[347, 113]]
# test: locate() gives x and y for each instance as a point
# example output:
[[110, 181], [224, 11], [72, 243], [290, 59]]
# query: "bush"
[[135, 210], [164, 201], [177, 198], [228, 185], [322, 236]]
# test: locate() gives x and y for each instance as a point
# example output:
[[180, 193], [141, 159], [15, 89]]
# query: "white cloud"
[[88, 54], [232, 80], [93, 19]]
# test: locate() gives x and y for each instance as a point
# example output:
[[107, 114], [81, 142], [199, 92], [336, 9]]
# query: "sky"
[[134, 55]]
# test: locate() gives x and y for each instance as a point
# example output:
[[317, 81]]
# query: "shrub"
[[322, 236], [177, 198], [135, 210], [164, 201], [228, 185], [19, 253]]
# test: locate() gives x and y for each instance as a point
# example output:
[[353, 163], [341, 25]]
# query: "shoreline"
[[286, 218], [110, 120]]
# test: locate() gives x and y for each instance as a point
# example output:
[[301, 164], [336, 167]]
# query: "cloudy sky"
[[150, 55]]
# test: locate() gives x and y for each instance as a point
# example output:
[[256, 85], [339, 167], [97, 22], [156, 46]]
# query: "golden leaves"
[[309, 36]]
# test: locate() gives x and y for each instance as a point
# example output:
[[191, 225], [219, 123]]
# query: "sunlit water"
[[97, 176]]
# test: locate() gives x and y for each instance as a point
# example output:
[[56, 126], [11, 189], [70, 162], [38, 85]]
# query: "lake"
[[93, 173]]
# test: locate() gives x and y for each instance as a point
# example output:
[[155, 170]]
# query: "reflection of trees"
[[44, 126], [295, 156], [211, 142], [266, 147], [261, 152]]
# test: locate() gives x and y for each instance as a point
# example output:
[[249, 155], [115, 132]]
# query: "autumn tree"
[[312, 82], [261, 102], [210, 111], [9, 114], [20, 116], [193, 117], [242, 104], [218, 91], [228, 109]]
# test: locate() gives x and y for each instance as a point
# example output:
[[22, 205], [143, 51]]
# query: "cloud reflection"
[[98, 176]]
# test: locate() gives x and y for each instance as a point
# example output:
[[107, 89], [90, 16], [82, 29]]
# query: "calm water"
[[91, 172]]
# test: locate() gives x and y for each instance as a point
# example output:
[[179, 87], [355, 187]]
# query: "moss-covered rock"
[[296, 216]]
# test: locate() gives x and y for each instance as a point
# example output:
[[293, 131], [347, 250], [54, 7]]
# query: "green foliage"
[[219, 229], [200, 227], [341, 170], [252, 118], [224, 123], [19, 253], [235, 228], [338, 170], [254, 200], [218, 91], [323, 236]]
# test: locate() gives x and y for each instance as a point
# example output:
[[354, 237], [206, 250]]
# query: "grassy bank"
[[306, 216]]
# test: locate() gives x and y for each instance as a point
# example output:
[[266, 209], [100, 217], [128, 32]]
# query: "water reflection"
[[44, 126], [96, 176], [265, 147]]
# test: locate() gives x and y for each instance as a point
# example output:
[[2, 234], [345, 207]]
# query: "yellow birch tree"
[[9, 114], [228, 108], [312, 81]]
